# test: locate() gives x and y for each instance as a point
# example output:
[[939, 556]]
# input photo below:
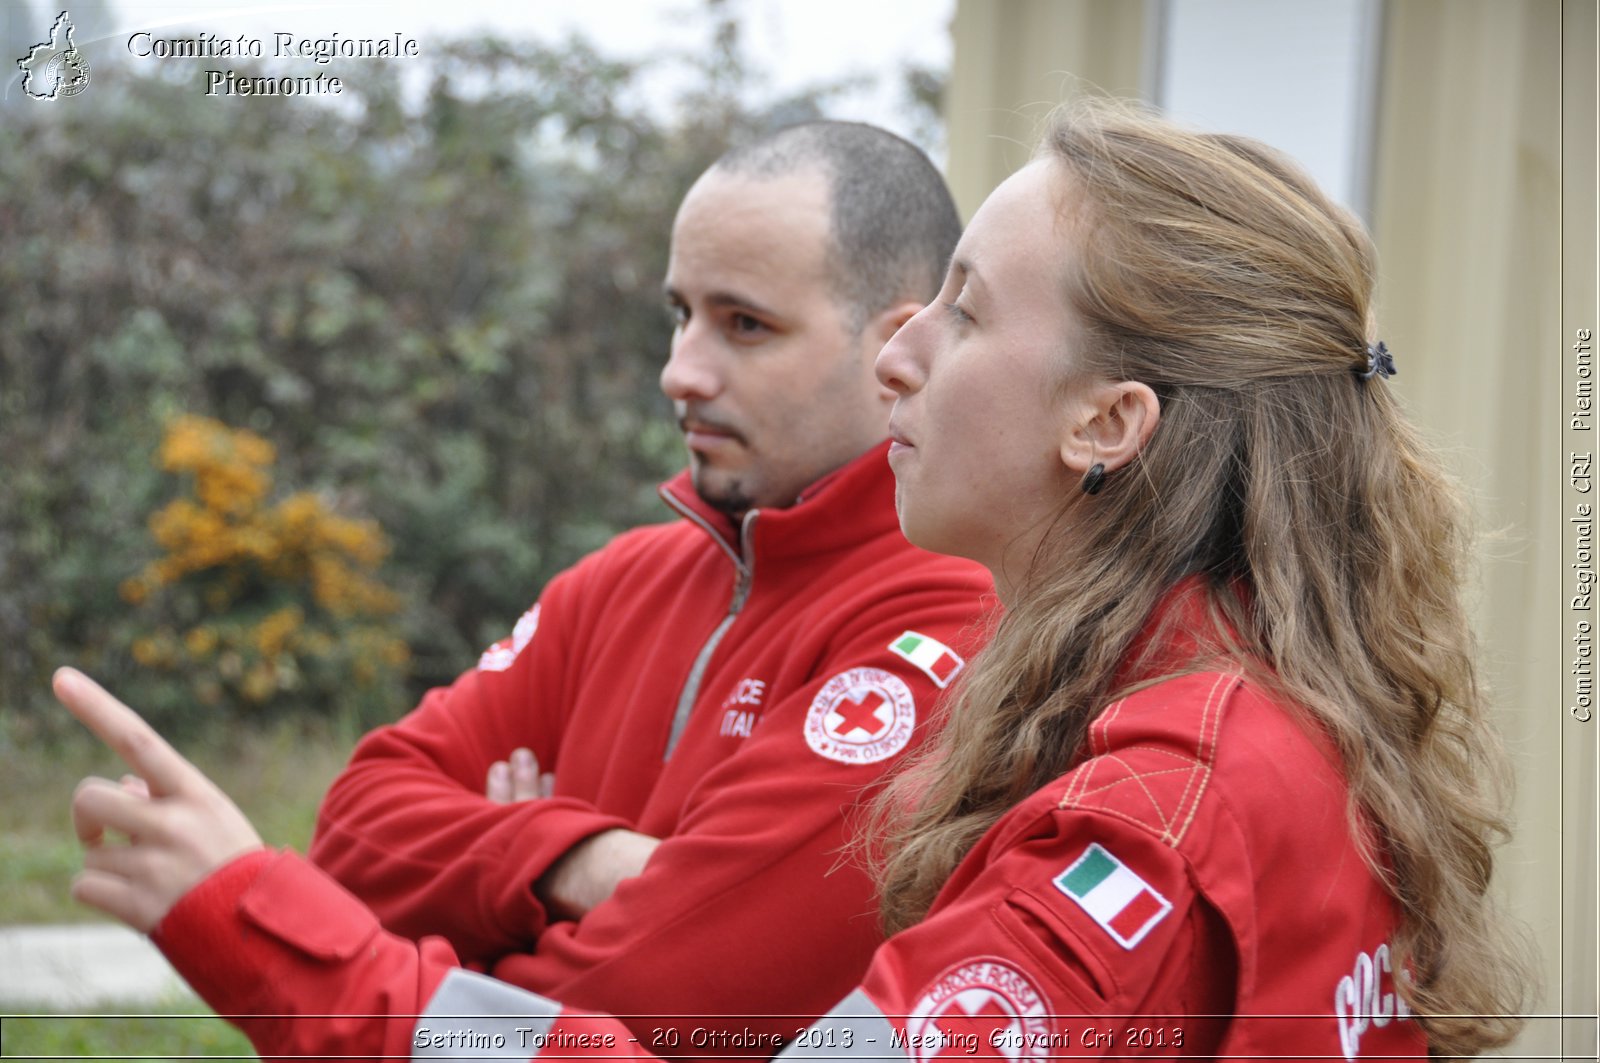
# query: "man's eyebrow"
[[720, 300]]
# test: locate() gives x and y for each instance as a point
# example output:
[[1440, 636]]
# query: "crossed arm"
[[589, 873]]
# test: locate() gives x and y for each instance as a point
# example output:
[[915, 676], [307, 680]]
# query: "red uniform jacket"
[[731, 690], [1192, 888]]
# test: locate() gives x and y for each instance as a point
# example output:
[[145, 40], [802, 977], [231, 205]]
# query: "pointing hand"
[[174, 825]]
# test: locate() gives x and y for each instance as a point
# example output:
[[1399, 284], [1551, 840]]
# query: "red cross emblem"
[[859, 712], [961, 1028]]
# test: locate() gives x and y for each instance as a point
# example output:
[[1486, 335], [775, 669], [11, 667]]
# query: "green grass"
[[174, 1031], [277, 774]]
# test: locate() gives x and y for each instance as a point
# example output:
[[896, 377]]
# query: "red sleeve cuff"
[[203, 939], [254, 918]]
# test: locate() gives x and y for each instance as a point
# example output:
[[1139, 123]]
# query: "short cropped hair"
[[894, 225]]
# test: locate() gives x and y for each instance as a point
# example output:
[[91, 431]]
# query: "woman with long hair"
[[1222, 783], [1260, 559]]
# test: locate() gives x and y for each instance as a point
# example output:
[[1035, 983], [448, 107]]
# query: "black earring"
[[1095, 478]]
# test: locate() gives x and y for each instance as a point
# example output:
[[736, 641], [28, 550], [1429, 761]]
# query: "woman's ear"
[[1108, 424]]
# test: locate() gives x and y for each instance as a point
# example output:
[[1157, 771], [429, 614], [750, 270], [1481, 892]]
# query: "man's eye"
[[959, 314], [679, 314], [746, 325]]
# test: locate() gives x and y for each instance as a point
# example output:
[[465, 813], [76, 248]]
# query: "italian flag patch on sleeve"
[[1120, 901], [936, 660]]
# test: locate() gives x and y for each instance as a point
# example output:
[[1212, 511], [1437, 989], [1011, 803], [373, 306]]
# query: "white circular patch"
[[498, 658], [982, 1007], [861, 716]]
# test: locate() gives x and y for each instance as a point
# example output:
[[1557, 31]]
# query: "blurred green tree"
[[438, 300]]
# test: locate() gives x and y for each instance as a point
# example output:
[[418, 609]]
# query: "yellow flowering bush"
[[260, 605]]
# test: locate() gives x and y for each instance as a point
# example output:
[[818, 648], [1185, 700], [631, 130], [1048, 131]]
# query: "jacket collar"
[[1186, 631], [849, 505]]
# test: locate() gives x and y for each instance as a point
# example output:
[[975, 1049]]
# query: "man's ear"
[[879, 331], [1108, 424], [885, 323]]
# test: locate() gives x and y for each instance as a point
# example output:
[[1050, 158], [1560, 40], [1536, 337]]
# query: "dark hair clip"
[[1379, 362]]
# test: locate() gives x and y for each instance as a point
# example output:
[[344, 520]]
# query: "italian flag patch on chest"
[[936, 660], [1124, 904]]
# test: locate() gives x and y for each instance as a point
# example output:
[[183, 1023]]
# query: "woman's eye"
[[959, 314], [744, 324]]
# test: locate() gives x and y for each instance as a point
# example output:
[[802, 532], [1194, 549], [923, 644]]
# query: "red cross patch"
[[861, 716], [981, 1008]]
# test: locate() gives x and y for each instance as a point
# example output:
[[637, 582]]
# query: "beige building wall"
[[1468, 221], [1014, 60], [1467, 194]]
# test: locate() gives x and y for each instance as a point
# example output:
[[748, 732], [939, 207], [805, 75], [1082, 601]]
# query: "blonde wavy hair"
[[1215, 271]]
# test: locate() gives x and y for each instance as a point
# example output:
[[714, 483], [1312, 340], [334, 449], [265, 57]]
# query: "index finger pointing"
[[125, 731]]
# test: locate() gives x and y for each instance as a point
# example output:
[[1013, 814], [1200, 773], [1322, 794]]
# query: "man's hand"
[[179, 826], [590, 870], [518, 779]]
